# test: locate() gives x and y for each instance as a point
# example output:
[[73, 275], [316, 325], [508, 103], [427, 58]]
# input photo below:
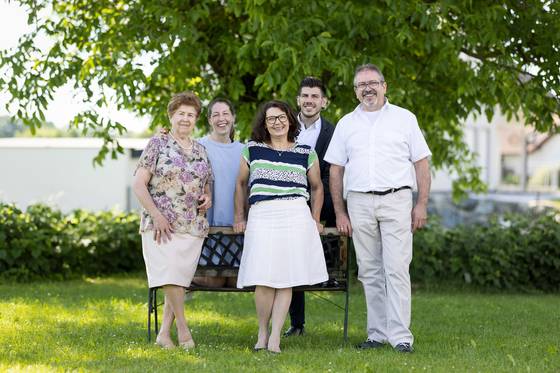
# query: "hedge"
[[44, 243], [515, 251], [520, 252]]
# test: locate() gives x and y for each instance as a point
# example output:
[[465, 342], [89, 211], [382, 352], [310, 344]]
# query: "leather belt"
[[392, 190]]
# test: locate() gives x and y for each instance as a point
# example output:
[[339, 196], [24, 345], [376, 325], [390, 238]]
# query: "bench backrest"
[[222, 249]]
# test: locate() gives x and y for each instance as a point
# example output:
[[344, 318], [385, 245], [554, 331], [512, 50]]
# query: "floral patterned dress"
[[178, 180]]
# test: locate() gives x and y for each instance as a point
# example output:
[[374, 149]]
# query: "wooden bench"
[[221, 255]]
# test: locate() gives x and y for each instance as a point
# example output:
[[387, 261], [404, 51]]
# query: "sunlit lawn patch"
[[100, 325]]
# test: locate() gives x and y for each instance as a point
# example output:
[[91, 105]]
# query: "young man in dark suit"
[[316, 132]]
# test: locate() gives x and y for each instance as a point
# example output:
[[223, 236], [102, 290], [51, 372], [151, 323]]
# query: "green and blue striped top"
[[278, 174]]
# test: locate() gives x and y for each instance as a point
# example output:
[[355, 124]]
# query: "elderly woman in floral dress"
[[173, 184]]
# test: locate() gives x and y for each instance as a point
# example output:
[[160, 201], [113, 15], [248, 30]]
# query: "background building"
[[511, 156], [60, 172]]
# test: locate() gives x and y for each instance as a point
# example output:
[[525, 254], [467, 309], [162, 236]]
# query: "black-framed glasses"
[[371, 83], [272, 119]]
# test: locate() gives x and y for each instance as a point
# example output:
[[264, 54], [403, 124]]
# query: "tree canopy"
[[443, 60]]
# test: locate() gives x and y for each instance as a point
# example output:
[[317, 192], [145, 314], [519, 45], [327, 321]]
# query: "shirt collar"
[[383, 108], [362, 114], [312, 126]]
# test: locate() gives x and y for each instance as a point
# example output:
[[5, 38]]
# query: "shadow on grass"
[[113, 337], [129, 287], [100, 324]]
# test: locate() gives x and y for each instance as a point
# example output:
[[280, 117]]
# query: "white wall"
[[64, 177], [483, 140], [546, 159], [548, 155]]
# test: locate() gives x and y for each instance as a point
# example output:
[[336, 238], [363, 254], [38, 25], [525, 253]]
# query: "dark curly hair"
[[260, 132]]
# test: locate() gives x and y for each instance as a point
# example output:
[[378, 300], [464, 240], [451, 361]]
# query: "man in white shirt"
[[316, 132], [377, 149]]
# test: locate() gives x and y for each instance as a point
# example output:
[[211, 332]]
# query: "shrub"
[[32, 242], [44, 243], [512, 252], [429, 259], [107, 242]]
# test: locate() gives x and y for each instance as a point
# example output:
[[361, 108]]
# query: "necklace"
[[280, 151], [188, 147]]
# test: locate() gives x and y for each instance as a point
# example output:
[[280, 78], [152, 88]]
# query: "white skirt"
[[171, 263], [282, 247]]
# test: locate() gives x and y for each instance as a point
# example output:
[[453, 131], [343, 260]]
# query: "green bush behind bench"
[[44, 243], [516, 251], [519, 252]]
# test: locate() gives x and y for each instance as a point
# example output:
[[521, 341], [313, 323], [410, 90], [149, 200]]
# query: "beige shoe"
[[164, 344], [187, 345]]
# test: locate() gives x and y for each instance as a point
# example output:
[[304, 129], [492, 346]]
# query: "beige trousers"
[[382, 238]]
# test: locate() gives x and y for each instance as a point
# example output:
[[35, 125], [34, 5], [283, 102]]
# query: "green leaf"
[[442, 60]]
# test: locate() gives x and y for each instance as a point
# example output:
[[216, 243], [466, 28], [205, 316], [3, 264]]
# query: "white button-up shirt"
[[309, 136], [377, 149]]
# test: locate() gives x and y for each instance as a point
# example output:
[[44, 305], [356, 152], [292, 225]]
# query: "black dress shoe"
[[369, 344], [294, 330], [404, 347]]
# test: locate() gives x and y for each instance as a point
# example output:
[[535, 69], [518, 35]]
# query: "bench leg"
[[155, 312], [152, 308], [150, 311], [347, 306], [346, 312], [149, 315]]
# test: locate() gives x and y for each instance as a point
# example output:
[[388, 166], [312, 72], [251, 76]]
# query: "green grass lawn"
[[100, 325]]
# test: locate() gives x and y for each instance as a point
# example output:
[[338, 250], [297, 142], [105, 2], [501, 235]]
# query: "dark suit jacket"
[[323, 141]]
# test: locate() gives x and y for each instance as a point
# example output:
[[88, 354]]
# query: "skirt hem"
[[282, 286]]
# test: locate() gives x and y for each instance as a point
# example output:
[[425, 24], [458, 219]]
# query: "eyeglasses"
[[283, 118], [371, 83]]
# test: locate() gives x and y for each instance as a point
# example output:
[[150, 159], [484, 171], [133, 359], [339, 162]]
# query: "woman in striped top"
[[282, 247]]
